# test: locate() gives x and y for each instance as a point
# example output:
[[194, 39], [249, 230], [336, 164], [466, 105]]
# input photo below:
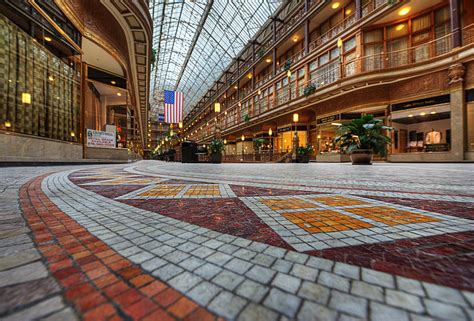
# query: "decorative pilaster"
[[458, 111]]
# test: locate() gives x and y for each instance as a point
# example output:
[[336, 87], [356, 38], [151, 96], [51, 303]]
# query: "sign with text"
[[100, 139]]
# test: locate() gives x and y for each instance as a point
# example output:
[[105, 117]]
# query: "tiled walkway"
[[157, 241]]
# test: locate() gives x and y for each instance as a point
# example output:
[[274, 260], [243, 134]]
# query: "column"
[[274, 30], [274, 61], [458, 111], [358, 9], [306, 37], [455, 11], [252, 81]]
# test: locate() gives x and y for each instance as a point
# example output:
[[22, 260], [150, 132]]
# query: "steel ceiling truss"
[[197, 40]]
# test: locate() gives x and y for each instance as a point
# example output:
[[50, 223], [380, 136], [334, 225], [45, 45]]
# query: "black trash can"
[[188, 152]]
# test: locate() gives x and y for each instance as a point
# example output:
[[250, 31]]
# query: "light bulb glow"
[[296, 117], [404, 11], [26, 98]]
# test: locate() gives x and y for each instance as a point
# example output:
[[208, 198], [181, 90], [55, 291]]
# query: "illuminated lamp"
[[404, 11], [296, 117], [26, 98]]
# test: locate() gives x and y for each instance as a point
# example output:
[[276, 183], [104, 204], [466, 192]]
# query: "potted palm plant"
[[216, 147], [303, 153], [362, 138]]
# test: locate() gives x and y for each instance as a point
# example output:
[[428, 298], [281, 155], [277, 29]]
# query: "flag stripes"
[[173, 106]]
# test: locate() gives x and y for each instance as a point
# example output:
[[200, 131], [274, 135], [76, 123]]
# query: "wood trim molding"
[[55, 25]]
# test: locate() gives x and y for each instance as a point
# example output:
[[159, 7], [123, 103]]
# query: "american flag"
[[173, 107]]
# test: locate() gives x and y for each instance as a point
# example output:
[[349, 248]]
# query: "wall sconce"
[[339, 43], [225, 141], [180, 125], [217, 107], [26, 98], [288, 73], [8, 124], [296, 117], [243, 137], [270, 132]]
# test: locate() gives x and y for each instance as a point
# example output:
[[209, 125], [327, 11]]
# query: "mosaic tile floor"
[[156, 241]]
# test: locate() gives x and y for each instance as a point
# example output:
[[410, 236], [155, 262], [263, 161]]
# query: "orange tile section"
[[288, 204], [391, 216], [338, 201], [203, 190], [324, 221], [97, 281], [163, 190]]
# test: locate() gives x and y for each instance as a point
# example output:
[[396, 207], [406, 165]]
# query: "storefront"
[[422, 128], [283, 142], [325, 130]]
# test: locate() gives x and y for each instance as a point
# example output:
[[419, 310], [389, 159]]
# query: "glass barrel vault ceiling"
[[219, 30]]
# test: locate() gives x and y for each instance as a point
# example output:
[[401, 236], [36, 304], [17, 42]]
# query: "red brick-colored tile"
[[89, 301], [116, 289], [105, 280], [158, 315], [141, 280], [102, 312], [128, 297], [119, 265], [167, 297], [153, 288], [200, 314], [182, 307], [140, 308], [130, 272], [79, 291]]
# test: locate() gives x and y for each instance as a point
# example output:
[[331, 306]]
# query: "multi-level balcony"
[[272, 91], [269, 41], [331, 75]]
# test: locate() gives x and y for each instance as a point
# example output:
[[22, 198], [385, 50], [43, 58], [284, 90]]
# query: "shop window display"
[[326, 136], [422, 130]]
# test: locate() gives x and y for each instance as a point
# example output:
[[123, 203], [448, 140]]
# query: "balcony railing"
[[294, 18], [335, 71]]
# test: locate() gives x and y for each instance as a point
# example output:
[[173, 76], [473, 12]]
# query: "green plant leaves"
[[365, 132]]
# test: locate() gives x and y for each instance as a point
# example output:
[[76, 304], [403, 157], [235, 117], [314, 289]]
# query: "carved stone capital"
[[456, 73]]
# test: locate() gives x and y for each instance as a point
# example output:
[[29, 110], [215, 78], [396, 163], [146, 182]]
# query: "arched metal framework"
[[197, 40]]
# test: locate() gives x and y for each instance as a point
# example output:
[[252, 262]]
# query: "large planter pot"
[[303, 158], [362, 157], [216, 158]]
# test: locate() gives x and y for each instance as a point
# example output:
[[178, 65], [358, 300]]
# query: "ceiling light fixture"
[[404, 11], [400, 27], [335, 5]]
